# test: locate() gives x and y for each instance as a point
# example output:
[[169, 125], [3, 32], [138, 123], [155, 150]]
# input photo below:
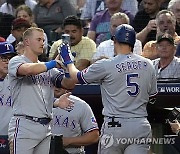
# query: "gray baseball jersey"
[[5, 106], [170, 71], [74, 122], [35, 100], [126, 81]]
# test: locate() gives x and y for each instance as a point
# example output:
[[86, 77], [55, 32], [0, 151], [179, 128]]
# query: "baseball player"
[[127, 83], [32, 94], [77, 125], [6, 53]]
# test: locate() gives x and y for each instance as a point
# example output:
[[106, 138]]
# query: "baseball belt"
[[43, 121]]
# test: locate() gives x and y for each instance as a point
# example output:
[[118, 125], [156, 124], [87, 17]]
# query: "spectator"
[[174, 6], [91, 7], [5, 24], [106, 48], [144, 23], [99, 30], [6, 53], [166, 22], [82, 46], [49, 15], [80, 129], [19, 26], [167, 66], [24, 12], [10, 6]]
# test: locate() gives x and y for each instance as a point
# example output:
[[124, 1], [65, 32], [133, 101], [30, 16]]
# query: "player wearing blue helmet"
[[127, 82], [6, 53]]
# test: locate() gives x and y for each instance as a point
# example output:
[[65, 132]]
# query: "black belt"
[[43, 121]]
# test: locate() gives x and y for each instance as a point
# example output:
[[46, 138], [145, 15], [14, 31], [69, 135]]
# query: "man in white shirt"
[[106, 48]]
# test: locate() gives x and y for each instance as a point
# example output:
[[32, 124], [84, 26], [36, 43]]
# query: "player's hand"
[[65, 53], [59, 63], [66, 141], [64, 101]]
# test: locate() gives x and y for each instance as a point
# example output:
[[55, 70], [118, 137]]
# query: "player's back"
[[128, 82]]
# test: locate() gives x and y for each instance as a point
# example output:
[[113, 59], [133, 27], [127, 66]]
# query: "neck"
[[165, 62], [123, 49], [30, 55], [113, 11], [49, 3]]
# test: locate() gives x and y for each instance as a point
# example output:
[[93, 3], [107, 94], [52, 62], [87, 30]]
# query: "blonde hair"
[[30, 30], [26, 9], [120, 15]]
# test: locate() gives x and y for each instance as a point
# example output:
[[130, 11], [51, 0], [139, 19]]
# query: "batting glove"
[[66, 55]]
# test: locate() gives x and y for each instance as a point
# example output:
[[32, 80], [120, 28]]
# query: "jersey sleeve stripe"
[[81, 78], [91, 129], [153, 95]]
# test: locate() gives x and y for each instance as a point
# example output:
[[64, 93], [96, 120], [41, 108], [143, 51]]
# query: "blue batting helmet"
[[6, 48], [125, 34]]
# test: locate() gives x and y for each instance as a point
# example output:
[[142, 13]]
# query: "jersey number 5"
[[132, 85]]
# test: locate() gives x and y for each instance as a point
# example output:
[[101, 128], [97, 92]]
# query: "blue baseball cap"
[[6, 48]]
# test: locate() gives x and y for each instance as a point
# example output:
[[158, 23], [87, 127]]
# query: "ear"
[[26, 41]]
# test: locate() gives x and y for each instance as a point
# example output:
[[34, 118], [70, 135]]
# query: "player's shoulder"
[[145, 60], [16, 58], [79, 103], [142, 58], [77, 99]]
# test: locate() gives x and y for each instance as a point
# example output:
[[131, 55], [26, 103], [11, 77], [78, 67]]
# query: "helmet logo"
[[127, 36]]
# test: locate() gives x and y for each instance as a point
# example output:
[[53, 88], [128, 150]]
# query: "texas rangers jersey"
[[32, 95], [5, 106], [126, 81], [74, 122], [170, 71]]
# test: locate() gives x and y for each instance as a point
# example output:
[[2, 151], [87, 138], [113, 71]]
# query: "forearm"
[[35, 68], [68, 83], [142, 35], [86, 139], [73, 72]]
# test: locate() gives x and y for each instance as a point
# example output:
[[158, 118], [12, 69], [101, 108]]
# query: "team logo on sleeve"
[[93, 120], [85, 70]]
